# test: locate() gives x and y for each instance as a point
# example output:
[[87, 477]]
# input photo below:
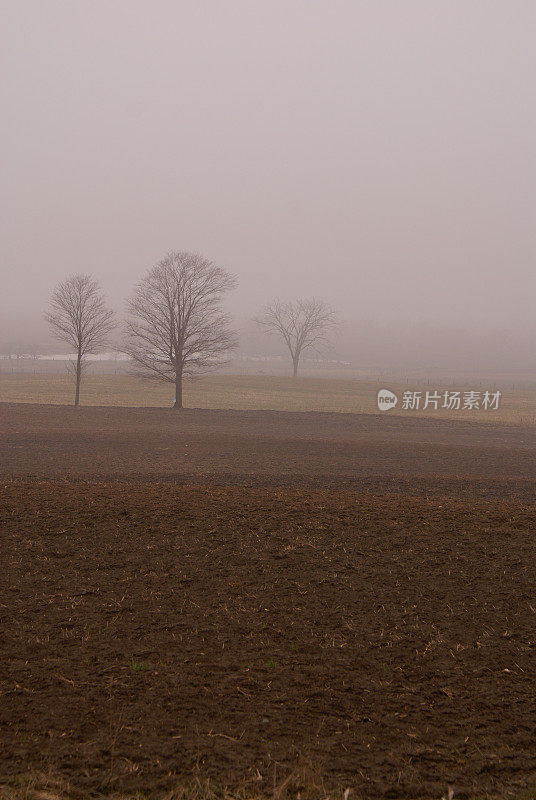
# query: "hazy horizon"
[[379, 156]]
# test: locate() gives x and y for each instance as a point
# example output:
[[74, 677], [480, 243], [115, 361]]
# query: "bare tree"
[[79, 316], [302, 324], [176, 325]]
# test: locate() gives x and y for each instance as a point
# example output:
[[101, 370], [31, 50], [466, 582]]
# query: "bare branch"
[[78, 315], [302, 324], [176, 325]]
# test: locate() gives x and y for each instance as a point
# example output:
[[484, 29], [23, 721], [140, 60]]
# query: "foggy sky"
[[379, 155]]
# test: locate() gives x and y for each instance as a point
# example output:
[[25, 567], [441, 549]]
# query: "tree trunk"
[[178, 389], [295, 360], [78, 378]]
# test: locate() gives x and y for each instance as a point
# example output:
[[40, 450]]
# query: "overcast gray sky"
[[377, 154]]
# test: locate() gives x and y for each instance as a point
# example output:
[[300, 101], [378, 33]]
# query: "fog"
[[377, 155]]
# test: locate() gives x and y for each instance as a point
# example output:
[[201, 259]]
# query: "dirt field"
[[235, 592]]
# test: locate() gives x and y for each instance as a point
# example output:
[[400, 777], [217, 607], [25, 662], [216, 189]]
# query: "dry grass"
[[303, 783], [248, 392]]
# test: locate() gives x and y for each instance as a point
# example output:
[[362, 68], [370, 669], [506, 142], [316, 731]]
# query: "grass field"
[[263, 392]]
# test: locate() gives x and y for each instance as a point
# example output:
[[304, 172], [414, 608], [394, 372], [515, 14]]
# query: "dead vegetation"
[[245, 392], [303, 783]]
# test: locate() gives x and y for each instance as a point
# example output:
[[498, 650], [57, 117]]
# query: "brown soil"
[[268, 587]]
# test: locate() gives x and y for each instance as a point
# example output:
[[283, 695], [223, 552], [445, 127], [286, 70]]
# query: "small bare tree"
[[302, 324], [176, 325], [79, 316]]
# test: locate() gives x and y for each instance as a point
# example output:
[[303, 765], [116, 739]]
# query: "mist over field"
[[267, 399], [378, 156]]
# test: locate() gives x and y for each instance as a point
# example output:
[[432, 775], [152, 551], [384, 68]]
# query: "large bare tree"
[[79, 316], [302, 324], [176, 324]]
